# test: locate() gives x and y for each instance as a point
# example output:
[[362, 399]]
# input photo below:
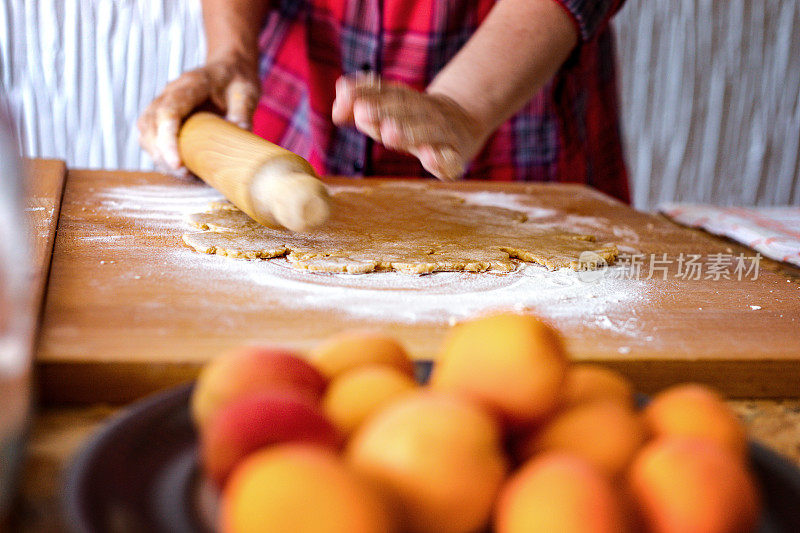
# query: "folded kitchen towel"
[[773, 231]]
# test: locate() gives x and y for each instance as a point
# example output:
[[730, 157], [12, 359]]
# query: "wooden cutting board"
[[130, 309]]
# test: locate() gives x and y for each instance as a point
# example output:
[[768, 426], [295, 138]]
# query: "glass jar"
[[16, 314]]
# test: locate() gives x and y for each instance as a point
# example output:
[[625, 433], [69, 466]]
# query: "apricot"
[[296, 488], [689, 485], [250, 369], [514, 365], [358, 393], [586, 383], [558, 492], [605, 433], [692, 410], [437, 456], [245, 425], [354, 348]]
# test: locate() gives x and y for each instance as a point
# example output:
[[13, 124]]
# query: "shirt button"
[[366, 67]]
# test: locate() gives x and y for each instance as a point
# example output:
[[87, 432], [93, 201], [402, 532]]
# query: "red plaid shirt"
[[568, 132]]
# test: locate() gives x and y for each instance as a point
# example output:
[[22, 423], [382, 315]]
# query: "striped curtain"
[[78, 72]]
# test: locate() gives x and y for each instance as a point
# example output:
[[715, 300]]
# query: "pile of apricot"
[[508, 435]]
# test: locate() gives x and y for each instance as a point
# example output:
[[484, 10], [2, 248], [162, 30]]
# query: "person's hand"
[[231, 84], [432, 127]]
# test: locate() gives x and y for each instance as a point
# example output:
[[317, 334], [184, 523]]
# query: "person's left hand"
[[432, 127]]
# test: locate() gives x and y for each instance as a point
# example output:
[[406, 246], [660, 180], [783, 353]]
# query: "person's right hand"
[[231, 84]]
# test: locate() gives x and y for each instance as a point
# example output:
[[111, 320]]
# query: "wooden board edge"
[[91, 382], [767, 379], [42, 275], [82, 382]]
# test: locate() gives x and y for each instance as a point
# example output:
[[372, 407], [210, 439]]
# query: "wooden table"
[[59, 431]]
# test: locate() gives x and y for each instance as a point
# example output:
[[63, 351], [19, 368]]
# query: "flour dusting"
[[550, 217], [505, 200], [163, 205], [437, 297], [445, 297]]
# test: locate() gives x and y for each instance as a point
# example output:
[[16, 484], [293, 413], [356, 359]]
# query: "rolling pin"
[[269, 183]]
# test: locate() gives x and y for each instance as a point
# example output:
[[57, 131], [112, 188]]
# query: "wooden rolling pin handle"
[[269, 183], [296, 199]]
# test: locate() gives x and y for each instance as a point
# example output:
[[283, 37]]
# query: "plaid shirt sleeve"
[[590, 16], [568, 132]]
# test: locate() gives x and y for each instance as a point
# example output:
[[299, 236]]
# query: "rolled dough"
[[412, 229]]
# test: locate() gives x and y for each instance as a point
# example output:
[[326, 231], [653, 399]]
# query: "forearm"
[[229, 80], [513, 54], [232, 28]]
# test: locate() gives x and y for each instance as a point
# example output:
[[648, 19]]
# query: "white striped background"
[[710, 90], [79, 72], [711, 100]]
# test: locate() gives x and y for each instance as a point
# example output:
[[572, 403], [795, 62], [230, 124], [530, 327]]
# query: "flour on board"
[[562, 295]]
